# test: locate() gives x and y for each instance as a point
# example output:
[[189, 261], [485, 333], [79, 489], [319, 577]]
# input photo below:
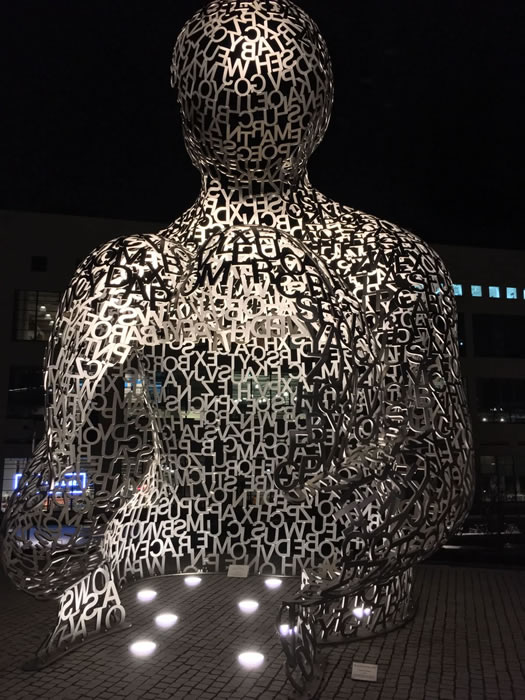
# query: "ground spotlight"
[[250, 659], [142, 648]]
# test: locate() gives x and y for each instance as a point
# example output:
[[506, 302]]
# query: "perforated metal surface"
[[273, 380]]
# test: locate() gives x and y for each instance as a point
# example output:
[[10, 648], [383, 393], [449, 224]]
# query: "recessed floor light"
[[250, 659], [142, 648], [248, 606], [146, 595], [166, 620], [273, 583], [192, 581]]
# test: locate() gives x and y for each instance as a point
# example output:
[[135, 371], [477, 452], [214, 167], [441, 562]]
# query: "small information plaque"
[[238, 570], [364, 672]]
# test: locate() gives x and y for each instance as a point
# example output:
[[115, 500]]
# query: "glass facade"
[[498, 335], [34, 314], [501, 400], [501, 478], [12, 467], [461, 335], [70, 484], [25, 397]]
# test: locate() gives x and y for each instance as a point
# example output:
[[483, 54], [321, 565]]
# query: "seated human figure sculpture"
[[273, 380]]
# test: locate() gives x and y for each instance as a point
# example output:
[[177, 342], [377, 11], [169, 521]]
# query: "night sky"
[[427, 128]]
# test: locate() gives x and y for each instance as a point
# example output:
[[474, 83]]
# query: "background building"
[[489, 284], [490, 292]]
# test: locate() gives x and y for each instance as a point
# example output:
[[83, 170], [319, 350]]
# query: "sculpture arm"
[[118, 302], [96, 436], [413, 481], [432, 450]]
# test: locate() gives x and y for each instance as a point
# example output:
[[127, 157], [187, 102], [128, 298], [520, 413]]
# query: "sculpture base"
[[319, 616], [312, 687], [375, 610], [88, 609], [42, 659]]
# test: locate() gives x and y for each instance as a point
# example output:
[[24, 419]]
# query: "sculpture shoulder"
[[140, 268], [405, 251], [364, 247]]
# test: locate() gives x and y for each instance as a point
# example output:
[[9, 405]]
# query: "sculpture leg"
[[303, 665], [87, 609]]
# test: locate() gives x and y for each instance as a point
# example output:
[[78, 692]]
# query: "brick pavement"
[[466, 641]]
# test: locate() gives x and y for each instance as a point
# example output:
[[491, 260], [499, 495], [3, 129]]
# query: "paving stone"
[[465, 643]]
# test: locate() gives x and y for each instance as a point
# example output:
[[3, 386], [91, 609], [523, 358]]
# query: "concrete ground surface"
[[467, 640]]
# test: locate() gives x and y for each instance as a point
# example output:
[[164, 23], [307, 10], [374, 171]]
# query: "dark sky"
[[427, 128]]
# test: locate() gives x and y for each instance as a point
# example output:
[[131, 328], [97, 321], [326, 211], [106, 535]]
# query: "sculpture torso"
[[235, 386]]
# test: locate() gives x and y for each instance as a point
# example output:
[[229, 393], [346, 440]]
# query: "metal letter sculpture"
[[273, 380]]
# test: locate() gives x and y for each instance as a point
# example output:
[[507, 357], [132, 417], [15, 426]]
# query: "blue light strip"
[[69, 481]]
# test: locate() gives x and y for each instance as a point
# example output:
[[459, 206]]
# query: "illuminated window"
[[476, 290], [494, 292], [458, 290], [512, 293], [34, 314]]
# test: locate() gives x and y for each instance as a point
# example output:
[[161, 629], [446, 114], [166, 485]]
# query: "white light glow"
[[250, 659], [286, 630], [361, 612], [166, 620], [192, 581], [273, 583], [142, 648], [248, 606], [146, 595]]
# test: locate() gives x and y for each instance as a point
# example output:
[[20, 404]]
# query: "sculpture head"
[[254, 84]]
